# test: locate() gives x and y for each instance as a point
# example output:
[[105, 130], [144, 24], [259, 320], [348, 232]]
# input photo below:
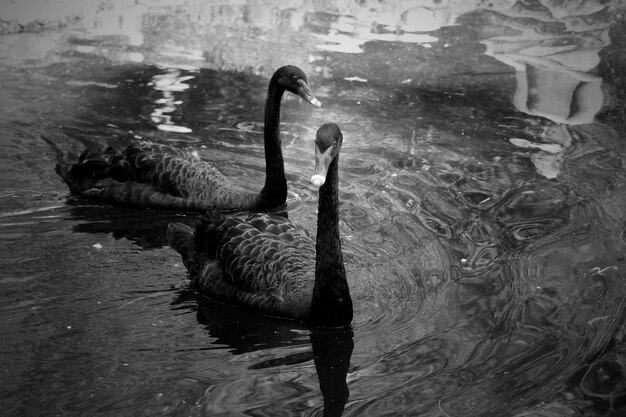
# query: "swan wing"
[[171, 171], [153, 175], [263, 257]]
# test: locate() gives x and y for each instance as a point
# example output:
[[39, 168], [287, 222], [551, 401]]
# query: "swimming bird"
[[270, 264], [160, 176]]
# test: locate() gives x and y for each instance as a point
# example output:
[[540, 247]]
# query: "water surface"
[[482, 208]]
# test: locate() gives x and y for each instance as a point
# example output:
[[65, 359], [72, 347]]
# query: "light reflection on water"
[[482, 207]]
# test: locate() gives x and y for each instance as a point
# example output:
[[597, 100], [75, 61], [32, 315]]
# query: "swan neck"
[[328, 210], [275, 189], [331, 305]]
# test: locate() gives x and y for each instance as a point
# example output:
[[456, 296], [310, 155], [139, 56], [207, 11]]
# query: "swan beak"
[[318, 180], [305, 92], [322, 162]]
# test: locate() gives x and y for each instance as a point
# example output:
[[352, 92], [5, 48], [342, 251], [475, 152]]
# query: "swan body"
[[160, 176], [267, 263]]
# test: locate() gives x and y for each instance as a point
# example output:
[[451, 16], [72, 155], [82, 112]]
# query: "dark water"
[[483, 199]]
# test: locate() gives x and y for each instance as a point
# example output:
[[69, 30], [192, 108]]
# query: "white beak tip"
[[318, 180], [316, 102]]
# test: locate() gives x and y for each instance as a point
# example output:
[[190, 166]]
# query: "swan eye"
[[334, 144]]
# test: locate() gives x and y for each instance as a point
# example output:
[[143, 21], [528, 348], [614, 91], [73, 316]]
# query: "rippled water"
[[483, 199]]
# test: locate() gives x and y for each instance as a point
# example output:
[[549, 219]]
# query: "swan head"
[[328, 143], [294, 80]]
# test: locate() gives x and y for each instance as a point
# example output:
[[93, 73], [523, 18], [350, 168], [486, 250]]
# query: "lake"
[[482, 189]]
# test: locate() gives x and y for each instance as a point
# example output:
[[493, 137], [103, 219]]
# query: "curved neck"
[[275, 190], [331, 304]]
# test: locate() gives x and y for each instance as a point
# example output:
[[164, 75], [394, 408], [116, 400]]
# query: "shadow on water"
[[144, 228], [243, 330]]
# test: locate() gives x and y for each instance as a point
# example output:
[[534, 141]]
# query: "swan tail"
[[208, 232], [182, 239], [92, 165]]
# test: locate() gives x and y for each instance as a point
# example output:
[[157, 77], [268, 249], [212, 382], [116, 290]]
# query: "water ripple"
[[484, 240]]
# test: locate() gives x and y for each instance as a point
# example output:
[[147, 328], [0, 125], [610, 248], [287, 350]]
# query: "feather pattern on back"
[[264, 261], [152, 175]]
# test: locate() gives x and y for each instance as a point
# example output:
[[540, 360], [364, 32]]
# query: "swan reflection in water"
[[332, 349], [243, 331]]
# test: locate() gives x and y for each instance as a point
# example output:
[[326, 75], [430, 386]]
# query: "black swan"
[[270, 264], [159, 176]]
